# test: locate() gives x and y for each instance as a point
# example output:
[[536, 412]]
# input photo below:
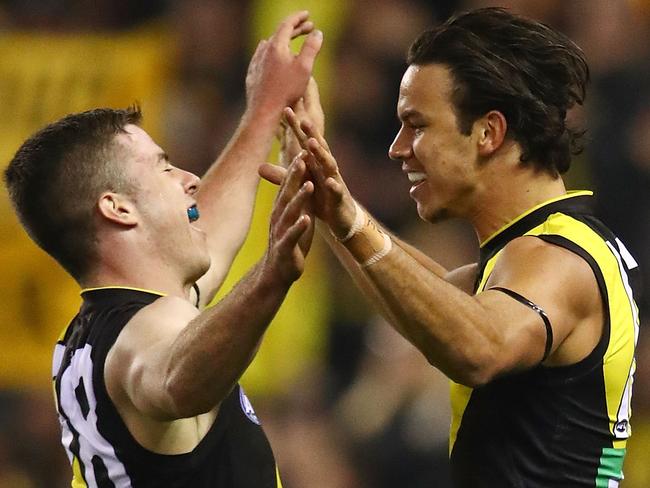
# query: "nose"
[[400, 149], [191, 182]]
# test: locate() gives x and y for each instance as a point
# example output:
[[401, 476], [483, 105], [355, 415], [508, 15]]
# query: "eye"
[[168, 169]]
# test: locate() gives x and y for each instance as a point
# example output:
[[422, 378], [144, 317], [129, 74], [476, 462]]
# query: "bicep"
[[540, 295], [520, 328], [463, 277], [137, 365]]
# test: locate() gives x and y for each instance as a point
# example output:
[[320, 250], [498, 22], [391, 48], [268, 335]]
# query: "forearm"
[[415, 253], [228, 191], [447, 325], [215, 348], [360, 278], [363, 281]]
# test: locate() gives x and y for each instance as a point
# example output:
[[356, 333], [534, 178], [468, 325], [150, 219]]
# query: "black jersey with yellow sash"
[[561, 426], [234, 453]]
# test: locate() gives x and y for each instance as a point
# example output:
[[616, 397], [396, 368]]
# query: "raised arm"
[[172, 362], [473, 339], [276, 78]]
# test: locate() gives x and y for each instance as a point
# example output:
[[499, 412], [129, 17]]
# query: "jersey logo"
[[621, 427], [247, 407]]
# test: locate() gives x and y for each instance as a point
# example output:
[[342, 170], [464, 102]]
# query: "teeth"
[[193, 213], [416, 177]]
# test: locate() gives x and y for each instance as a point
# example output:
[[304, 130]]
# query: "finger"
[[315, 171], [294, 123], [292, 236], [285, 29], [334, 188], [290, 186], [324, 157], [296, 206], [293, 181], [310, 49], [304, 28], [272, 173], [299, 108], [312, 94], [289, 147], [310, 130]]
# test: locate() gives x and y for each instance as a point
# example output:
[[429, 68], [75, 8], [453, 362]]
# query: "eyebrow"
[[409, 113], [163, 157]]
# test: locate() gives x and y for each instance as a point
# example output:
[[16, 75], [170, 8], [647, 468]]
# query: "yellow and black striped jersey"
[[555, 426], [234, 453]]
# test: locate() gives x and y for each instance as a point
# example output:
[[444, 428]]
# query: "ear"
[[117, 208], [492, 129]]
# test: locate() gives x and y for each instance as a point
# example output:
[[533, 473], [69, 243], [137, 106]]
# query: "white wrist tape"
[[357, 225], [388, 245]]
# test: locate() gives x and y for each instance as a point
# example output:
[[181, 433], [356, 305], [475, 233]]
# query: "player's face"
[[438, 159], [163, 196]]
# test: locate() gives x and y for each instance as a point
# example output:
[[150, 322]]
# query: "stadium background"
[[346, 403]]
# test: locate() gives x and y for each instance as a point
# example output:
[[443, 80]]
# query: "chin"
[[200, 267], [433, 215]]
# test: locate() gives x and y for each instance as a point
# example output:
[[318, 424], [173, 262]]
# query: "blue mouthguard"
[[193, 213]]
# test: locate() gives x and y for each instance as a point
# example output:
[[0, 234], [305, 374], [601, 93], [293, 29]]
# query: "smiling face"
[[165, 205], [440, 161]]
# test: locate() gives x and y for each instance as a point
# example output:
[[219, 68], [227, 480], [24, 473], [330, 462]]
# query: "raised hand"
[[276, 77], [292, 225], [307, 108], [332, 200]]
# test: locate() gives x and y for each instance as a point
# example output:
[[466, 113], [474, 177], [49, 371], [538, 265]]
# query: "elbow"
[[182, 401], [473, 377], [468, 368]]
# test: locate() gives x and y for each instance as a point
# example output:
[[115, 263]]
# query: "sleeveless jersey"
[[555, 426], [234, 453]]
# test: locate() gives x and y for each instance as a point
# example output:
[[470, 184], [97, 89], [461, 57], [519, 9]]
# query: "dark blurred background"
[[345, 401]]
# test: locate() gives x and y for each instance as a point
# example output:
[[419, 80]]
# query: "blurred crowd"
[[364, 410]]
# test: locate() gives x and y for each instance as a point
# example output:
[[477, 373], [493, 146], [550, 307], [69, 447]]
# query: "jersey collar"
[[573, 202]]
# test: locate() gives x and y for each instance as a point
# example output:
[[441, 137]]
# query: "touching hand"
[[292, 225], [332, 200], [276, 77], [307, 108]]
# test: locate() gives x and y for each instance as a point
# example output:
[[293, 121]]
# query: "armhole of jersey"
[[197, 290], [598, 353], [536, 308]]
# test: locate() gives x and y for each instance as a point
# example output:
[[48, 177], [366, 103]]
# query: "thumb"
[[310, 49], [272, 173]]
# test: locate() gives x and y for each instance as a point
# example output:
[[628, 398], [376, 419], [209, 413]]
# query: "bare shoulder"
[[463, 277], [530, 260], [560, 282], [151, 328], [163, 318]]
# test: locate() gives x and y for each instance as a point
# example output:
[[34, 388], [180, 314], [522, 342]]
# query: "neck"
[[133, 269], [506, 198]]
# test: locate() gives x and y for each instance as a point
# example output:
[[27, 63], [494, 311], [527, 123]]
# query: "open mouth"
[[416, 177], [193, 213]]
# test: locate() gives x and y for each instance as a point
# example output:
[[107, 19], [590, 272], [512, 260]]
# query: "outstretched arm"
[[471, 338], [276, 78], [172, 362]]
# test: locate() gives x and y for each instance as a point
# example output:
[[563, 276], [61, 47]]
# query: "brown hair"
[[522, 68], [57, 175]]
